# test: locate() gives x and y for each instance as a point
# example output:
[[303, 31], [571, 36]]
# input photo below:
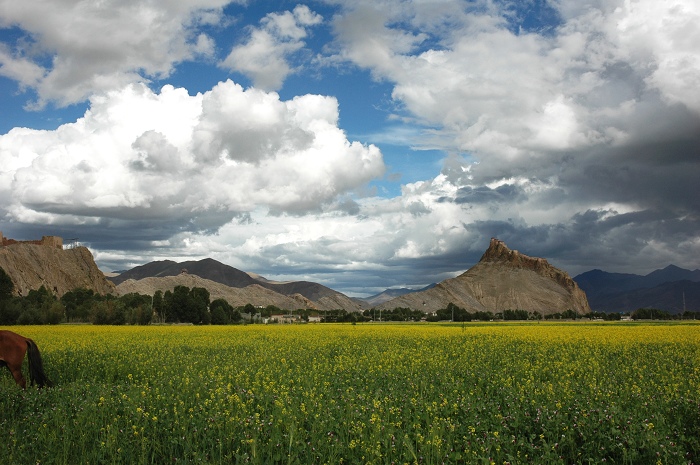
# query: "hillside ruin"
[[35, 263]]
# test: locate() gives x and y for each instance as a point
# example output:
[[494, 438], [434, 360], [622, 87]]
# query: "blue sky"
[[363, 144]]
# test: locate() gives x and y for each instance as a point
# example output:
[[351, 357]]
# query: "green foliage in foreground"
[[380, 394]]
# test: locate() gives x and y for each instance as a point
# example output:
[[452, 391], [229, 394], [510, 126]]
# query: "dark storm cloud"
[[484, 194], [660, 175]]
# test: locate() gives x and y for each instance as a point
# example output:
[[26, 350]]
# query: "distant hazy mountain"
[[621, 292], [389, 294], [669, 274], [672, 297]]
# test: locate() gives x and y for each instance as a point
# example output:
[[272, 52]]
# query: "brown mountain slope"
[[236, 296], [31, 266], [503, 279], [254, 294], [323, 297], [206, 268]]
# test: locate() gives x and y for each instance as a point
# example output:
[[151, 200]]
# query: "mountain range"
[[503, 279], [304, 294], [390, 294], [672, 289]]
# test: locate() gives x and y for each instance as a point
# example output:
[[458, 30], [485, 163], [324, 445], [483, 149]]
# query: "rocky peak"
[[504, 279], [498, 252]]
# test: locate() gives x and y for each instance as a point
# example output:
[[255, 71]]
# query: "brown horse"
[[12, 350]]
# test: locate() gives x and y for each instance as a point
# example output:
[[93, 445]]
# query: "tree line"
[[181, 305], [657, 314], [185, 305], [41, 306], [455, 313]]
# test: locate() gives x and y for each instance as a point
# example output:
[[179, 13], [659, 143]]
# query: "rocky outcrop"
[[504, 279], [31, 266], [499, 253]]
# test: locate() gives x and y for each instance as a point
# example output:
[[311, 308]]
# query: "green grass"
[[474, 393]]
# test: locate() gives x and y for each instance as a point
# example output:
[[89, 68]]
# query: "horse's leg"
[[17, 375]]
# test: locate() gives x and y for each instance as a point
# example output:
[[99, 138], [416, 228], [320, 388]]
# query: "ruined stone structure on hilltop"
[[32, 264], [48, 241]]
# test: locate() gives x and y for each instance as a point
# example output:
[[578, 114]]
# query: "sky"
[[361, 144]]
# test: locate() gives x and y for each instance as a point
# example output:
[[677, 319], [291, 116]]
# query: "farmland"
[[474, 393]]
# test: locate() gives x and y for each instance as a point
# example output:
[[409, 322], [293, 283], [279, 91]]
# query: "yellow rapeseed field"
[[368, 393]]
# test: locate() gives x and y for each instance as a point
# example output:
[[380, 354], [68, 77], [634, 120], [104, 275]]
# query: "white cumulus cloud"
[[193, 161], [265, 56], [76, 48]]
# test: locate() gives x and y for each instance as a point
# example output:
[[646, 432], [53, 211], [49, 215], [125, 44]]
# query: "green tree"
[[515, 315], [38, 297], [271, 310], [78, 303], [9, 308], [167, 314], [6, 286], [29, 316], [43, 303], [569, 314], [178, 304], [187, 305], [222, 313], [650, 314], [454, 313], [159, 306], [250, 310], [218, 316], [199, 306], [54, 314], [108, 312], [116, 312], [99, 314], [138, 308]]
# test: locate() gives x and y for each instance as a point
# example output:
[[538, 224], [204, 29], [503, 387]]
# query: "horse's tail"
[[36, 366]]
